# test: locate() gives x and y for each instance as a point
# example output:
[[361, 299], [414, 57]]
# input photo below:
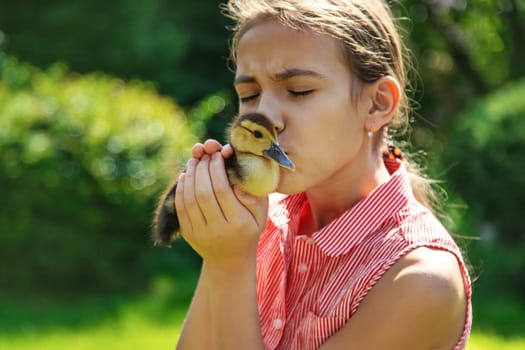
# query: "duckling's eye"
[[257, 134]]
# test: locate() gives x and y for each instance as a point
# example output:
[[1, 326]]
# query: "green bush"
[[181, 45], [82, 161], [485, 154]]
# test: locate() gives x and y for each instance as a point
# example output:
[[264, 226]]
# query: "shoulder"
[[419, 303], [431, 278]]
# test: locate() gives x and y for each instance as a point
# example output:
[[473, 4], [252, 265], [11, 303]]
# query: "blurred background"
[[100, 102]]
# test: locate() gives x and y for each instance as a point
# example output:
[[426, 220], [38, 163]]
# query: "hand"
[[222, 224], [209, 147]]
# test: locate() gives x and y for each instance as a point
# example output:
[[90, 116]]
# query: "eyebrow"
[[284, 75]]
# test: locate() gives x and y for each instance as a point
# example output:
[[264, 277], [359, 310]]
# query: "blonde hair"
[[371, 47]]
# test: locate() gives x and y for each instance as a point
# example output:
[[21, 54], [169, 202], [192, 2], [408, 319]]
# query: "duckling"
[[254, 168]]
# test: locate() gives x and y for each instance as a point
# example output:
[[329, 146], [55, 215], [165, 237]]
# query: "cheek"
[[331, 150], [312, 166]]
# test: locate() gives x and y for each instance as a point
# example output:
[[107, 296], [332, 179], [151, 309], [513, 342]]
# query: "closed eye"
[[300, 93], [248, 98]]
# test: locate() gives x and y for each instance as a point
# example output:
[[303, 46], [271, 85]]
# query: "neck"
[[342, 191]]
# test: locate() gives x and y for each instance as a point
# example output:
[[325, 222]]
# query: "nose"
[[270, 107], [278, 125]]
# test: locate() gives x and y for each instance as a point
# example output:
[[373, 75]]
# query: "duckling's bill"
[[276, 153]]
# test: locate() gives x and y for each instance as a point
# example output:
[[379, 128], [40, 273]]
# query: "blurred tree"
[[464, 49], [485, 155], [82, 161], [485, 168], [181, 45]]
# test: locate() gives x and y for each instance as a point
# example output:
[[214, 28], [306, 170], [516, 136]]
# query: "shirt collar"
[[345, 232]]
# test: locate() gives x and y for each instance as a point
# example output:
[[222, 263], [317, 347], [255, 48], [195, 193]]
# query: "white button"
[[277, 323], [310, 240], [302, 268]]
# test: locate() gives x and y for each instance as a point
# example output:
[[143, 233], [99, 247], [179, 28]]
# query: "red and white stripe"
[[308, 287]]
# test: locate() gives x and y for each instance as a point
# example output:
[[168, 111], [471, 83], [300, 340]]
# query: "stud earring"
[[370, 133]]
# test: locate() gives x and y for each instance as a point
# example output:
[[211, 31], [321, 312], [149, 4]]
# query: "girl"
[[348, 255]]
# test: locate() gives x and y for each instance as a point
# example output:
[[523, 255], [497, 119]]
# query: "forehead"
[[273, 47]]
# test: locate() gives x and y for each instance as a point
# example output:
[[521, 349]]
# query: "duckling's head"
[[254, 133]]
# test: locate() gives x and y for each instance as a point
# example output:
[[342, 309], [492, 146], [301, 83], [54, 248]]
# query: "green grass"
[[152, 321], [137, 332], [131, 332], [499, 323], [482, 341]]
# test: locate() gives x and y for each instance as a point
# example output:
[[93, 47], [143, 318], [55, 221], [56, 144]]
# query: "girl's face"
[[298, 79]]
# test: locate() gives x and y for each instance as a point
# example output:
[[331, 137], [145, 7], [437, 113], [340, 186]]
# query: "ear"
[[384, 94]]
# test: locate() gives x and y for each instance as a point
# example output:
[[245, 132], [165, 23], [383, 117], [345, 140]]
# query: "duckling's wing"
[[165, 222]]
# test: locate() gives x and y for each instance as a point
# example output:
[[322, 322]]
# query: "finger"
[[184, 222], [190, 202], [227, 151], [197, 151], [204, 193], [257, 206], [222, 188], [211, 146], [246, 199]]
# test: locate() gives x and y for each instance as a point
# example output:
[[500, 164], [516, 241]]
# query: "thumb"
[[257, 206]]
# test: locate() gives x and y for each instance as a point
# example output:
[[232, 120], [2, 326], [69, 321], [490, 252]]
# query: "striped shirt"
[[309, 286]]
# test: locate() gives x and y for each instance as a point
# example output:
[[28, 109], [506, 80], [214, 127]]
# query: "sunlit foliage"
[[82, 158]]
